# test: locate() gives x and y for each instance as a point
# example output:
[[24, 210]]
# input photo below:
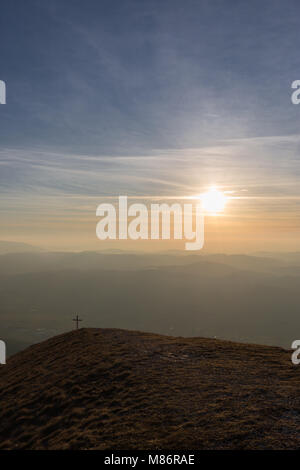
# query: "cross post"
[[77, 320]]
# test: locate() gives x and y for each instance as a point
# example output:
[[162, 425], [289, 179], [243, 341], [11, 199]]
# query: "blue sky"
[[145, 98], [124, 76]]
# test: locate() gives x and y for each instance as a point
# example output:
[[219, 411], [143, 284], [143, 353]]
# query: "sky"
[[149, 99]]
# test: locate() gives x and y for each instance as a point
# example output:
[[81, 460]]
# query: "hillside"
[[118, 389]]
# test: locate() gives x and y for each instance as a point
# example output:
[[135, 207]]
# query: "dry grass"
[[117, 389]]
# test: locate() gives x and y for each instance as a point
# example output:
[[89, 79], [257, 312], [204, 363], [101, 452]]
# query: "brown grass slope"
[[117, 389]]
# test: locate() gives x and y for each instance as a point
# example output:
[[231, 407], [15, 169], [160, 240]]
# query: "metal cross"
[[77, 319]]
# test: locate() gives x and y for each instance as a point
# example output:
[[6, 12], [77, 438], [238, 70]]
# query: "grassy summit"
[[117, 389]]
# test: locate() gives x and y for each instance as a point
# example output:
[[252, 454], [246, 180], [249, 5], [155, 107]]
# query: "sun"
[[213, 201]]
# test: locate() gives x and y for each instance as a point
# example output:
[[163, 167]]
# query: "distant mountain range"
[[16, 247], [236, 297]]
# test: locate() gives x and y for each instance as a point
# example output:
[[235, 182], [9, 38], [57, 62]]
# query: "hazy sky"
[[149, 98]]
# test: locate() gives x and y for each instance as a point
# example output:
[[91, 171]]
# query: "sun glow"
[[213, 201]]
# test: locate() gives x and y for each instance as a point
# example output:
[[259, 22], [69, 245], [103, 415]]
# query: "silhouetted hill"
[[17, 247], [117, 389]]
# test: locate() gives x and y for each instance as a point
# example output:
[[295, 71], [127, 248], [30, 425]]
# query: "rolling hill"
[[116, 390]]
